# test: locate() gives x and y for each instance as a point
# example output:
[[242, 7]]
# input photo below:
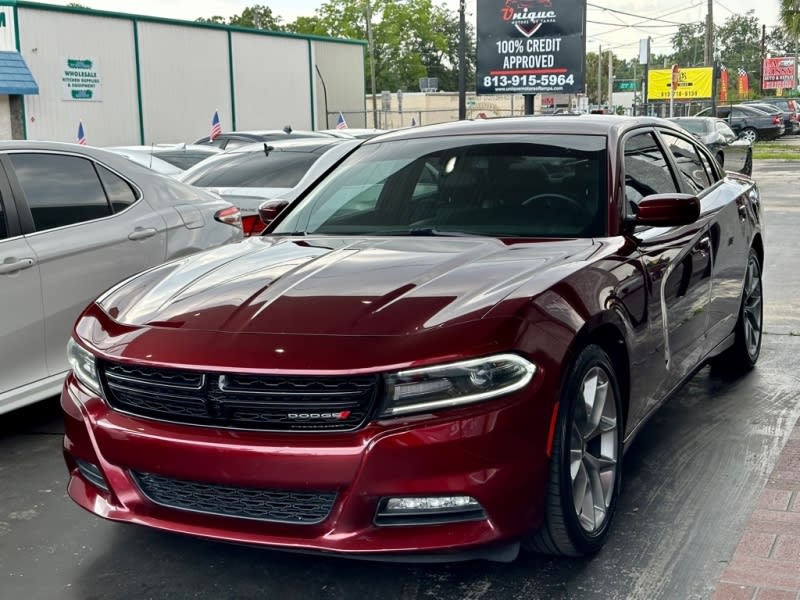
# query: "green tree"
[[411, 38], [689, 45], [257, 16], [790, 18], [738, 42]]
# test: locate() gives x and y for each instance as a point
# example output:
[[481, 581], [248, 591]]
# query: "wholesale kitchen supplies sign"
[[531, 46], [80, 79]]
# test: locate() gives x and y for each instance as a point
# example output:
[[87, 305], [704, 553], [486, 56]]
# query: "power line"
[[622, 12], [627, 25]]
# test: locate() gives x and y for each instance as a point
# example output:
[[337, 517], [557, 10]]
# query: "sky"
[[622, 39]]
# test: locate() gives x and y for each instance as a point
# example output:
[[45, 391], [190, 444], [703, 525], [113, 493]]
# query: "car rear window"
[[252, 169]]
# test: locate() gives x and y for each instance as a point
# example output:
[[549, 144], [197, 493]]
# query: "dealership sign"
[[80, 79], [691, 83], [531, 46], [779, 73]]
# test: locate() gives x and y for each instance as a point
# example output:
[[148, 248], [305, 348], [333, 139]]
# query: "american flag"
[[340, 122], [81, 134], [216, 128]]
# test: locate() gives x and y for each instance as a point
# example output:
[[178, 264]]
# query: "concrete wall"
[[345, 84], [272, 82], [160, 80], [47, 40], [185, 78]]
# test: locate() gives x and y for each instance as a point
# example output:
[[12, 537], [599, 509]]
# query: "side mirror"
[[667, 210], [269, 210]]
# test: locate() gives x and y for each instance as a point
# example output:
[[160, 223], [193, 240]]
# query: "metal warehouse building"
[[132, 79]]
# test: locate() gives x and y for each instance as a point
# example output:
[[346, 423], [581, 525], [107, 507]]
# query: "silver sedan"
[[74, 221]]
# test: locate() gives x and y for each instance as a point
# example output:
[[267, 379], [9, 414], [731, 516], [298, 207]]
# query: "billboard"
[[694, 83], [531, 46], [780, 73]]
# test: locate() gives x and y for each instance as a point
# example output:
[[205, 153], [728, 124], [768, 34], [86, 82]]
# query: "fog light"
[[428, 510], [92, 474]]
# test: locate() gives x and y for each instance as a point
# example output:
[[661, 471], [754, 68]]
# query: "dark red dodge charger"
[[441, 351]]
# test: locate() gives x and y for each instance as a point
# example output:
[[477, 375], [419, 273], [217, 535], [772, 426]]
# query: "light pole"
[[368, 13], [462, 60]]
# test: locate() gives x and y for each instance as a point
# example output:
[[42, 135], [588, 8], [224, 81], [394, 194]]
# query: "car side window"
[[690, 167], [723, 112], [647, 169], [3, 227], [119, 191], [60, 190]]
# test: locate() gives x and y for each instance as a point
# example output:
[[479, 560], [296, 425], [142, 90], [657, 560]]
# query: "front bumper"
[[495, 452]]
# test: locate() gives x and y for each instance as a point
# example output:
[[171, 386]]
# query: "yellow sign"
[[694, 84]]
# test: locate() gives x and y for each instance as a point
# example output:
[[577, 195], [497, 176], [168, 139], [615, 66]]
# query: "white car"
[[167, 159], [74, 221], [249, 175]]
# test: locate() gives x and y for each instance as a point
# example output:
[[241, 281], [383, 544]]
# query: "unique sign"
[[531, 46], [80, 79], [779, 73], [694, 83]]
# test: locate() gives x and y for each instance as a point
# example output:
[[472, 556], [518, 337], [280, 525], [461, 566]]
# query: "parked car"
[[350, 133], [406, 364], [731, 153], [235, 139], [785, 104], [788, 114], [74, 221], [748, 123], [249, 175], [178, 156]]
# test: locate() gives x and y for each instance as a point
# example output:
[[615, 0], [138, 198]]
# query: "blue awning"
[[15, 76]]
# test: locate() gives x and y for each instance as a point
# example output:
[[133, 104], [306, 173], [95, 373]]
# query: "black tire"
[[746, 349], [568, 530]]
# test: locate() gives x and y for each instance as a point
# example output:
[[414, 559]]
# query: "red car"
[[442, 350]]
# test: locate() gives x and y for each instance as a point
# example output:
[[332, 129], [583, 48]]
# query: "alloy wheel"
[[749, 134], [594, 447], [752, 308]]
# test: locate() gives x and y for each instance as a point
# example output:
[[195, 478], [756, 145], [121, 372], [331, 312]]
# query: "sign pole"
[[676, 79]]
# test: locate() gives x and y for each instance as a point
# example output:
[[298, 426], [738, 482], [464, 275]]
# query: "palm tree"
[[790, 17]]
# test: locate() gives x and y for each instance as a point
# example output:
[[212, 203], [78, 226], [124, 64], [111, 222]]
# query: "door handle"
[[704, 245], [142, 234], [742, 212], [13, 266]]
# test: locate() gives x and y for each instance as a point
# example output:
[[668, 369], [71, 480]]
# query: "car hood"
[[339, 286]]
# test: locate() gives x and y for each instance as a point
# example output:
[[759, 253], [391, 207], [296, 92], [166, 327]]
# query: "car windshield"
[[279, 169], [502, 186]]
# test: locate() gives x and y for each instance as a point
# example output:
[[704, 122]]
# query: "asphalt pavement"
[[691, 482]]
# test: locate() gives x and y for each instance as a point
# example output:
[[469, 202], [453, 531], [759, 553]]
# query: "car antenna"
[[267, 149]]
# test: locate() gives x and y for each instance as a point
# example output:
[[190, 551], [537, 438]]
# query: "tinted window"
[[118, 190], [541, 185], [646, 168], [690, 167], [60, 190], [253, 169], [3, 227], [182, 159]]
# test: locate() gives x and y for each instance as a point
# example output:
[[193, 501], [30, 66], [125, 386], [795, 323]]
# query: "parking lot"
[[690, 482]]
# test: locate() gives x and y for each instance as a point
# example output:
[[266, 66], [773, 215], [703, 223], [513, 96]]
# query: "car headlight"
[[83, 366], [454, 384]]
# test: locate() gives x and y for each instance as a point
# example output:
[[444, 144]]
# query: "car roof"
[[306, 145], [606, 125]]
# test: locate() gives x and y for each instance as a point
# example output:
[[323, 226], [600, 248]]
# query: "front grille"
[[263, 402], [279, 506]]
